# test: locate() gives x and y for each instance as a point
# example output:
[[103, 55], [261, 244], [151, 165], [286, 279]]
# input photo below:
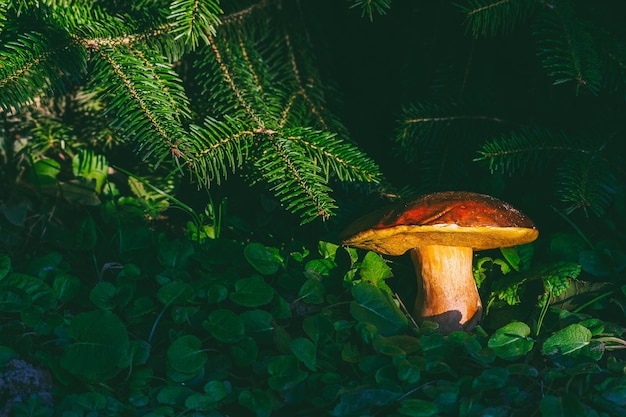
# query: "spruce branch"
[[369, 7], [194, 20], [34, 64], [528, 150], [588, 182], [429, 123], [566, 48], [490, 18], [140, 101]]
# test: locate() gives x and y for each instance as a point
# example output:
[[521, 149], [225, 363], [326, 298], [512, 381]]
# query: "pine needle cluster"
[[201, 90]]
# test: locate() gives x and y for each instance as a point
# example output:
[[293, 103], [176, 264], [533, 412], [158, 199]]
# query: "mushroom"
[[442, 230]]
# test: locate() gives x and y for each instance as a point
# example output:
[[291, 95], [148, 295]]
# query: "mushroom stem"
[[447, 293]]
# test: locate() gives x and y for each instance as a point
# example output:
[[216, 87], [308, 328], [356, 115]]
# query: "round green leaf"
[[175, 292], [312, 291], [374, 268], [305, 351], [215, 390], [511, 341], [567, 406], [284, 373], [65, 287], [185, 354], [245, 352], [99, 341], [5, 265], [225, 326], [257, 401], [6, 355], [103, 295], [375, 307], [252, 292], [264, 259], [417, 408], [567, 341], [491, 378]]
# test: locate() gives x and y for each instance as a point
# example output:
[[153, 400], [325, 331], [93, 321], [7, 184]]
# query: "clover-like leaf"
[[252, 292], [225, 326], [99, 341], [265, 260], [185, 354], [375, 307], [512, 341]]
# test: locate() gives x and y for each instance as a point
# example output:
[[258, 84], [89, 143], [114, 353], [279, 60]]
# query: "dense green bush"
[[136, 281]]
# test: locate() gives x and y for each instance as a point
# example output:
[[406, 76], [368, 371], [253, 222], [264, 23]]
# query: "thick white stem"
[[447, 292]]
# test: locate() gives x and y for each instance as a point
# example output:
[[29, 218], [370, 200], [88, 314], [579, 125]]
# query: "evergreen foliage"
[[577, 52], [192, 88]]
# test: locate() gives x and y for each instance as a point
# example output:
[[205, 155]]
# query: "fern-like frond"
[[490, 18], [528, 150], [369, 7], [36, 64], [194, 20], [143, 99], [566, 48], [587, 182]]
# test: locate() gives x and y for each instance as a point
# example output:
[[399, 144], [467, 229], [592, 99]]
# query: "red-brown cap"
[[451, 218]]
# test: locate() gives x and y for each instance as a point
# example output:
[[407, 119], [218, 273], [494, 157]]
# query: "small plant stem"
[[156, 321], [620, 342], [542, 314], [406, 312], [594, 300]]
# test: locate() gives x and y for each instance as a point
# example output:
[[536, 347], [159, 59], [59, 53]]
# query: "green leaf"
[[175, 292], [375, 307], [512, 257], [312, 291], [256, 400], [185, 354], [265, 260], [6, 354], [417, 408], [44, 172], [566, 406], [361, 402], [490, 379], [216, 390], [103, 295], [245, 352], [573, 340], [305, 351], [374, 269], [257, 322], [173, 395], [225, 326], [319, 328], [99, 340], [511, 341], [65, 287], [5, 265], [327, 250], [252, 292], [284, 373]]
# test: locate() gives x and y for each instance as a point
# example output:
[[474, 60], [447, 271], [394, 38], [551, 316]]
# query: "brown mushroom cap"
[[451, 218]]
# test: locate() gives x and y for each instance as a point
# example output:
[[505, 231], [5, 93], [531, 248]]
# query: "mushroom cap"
[[450, 218]]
